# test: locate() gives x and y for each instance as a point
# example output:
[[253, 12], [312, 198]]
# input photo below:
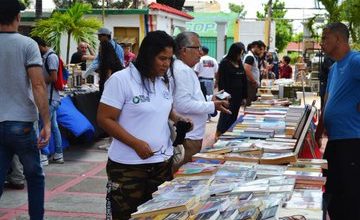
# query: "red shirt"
[[285, 71], [129, 57]]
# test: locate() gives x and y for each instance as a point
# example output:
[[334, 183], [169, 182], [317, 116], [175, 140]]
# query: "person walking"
[[22, 95], [50, 72]]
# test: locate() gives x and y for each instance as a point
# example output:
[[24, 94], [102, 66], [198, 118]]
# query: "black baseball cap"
[[11, 6]]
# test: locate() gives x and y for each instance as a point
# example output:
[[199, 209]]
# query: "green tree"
[[97, 3], [351, 14], [345, 11], [26, 2], [70, 22], [239, 9], [299, 37], [283, 27], [334, 8]]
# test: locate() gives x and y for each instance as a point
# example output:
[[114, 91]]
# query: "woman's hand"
[[143, 149], [182, 118]]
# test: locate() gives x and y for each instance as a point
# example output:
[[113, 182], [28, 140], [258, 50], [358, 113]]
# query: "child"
[[285, 70]]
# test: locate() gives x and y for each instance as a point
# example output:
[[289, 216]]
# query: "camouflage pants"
[[131, 185]]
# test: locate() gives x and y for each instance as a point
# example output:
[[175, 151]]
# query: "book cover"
[[278, 158], [269, 212], [216, 150], [245, 157], [255, 189], [212, 215], [156, 207], [189, 169], [229, 214], [281, 188], [214, 203], [321, 162], [249, 214], [208, 156], [305, 167], [177, 216], [238, 172], [221, 188]]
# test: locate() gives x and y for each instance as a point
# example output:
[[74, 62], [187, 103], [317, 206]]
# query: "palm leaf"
[[71, 23]]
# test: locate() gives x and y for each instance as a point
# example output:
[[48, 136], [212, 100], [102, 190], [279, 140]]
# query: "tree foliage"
[[283, 27], [239, 9], [345, 11], [351, 9], [26, 2], [96, 3], [70, 22], [299, 37], [334, 9]]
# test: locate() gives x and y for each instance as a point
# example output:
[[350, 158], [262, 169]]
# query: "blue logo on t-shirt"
[[140, 98]]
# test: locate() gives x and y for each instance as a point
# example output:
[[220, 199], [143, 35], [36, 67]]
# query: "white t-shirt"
[[255, 67], [143, 115], [189, 101], [206, 67]]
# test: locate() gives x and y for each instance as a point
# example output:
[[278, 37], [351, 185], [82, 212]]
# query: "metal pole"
[[269, 22], [103, 11]]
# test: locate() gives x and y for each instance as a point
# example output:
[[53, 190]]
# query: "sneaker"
[[16, 186], [44, 160], [58, 158], [104, 146]]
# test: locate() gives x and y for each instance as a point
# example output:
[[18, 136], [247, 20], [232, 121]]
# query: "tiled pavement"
[[75, 189]]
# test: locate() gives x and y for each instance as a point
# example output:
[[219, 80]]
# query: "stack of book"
[[307, 180], [233, 190], [251, 172]]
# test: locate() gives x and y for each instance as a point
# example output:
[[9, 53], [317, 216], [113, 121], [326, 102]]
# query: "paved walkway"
[[75, 189]]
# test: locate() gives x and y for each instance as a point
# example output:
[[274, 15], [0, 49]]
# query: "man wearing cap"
[[21, 66], [104, 34]]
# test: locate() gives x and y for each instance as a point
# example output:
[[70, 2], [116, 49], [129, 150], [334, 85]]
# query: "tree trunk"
[[68, 48], [135, 4], [38, 9]]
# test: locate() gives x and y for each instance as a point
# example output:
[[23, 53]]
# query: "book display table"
[[252, 172]]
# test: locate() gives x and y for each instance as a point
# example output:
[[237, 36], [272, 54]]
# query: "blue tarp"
[[70, 118]]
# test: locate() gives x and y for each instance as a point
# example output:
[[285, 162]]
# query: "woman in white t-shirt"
[[134, 109]]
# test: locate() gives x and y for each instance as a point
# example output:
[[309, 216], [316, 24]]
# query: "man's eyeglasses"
[[194, 47]]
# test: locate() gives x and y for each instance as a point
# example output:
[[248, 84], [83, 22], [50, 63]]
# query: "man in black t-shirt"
[[81, 56], [251, 66]]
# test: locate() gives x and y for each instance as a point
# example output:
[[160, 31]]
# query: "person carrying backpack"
[[50, 72]]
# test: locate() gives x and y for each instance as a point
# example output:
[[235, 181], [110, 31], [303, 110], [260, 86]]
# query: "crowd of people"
[[170, 79]]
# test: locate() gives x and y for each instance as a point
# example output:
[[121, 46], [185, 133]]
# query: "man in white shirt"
[[206, 70], [188, 98]]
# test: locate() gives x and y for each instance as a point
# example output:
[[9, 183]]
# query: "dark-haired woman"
[[134, 109], [109, 63], [232, 79]]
